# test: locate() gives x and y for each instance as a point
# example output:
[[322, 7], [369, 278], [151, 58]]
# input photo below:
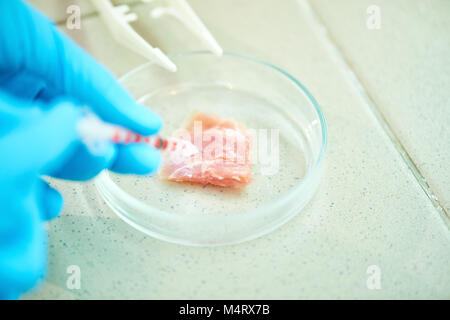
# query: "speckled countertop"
[[384, 201]]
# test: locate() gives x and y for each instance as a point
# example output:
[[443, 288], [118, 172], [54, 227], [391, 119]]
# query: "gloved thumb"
[[49, 200], [41, 142]]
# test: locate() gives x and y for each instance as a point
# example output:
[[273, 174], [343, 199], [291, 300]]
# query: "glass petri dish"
[[291, 142]]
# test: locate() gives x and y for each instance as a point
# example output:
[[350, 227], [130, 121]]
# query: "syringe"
[[95, 133]]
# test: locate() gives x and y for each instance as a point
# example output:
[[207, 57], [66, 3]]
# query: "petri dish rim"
[[147, 210]]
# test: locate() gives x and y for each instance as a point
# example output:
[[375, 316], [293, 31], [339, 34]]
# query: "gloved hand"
[[32, 142], [43, 77]]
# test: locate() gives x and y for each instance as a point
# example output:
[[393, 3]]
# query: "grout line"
[[353, 78], [83, 16]]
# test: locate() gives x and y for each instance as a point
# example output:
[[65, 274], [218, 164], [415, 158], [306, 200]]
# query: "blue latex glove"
[[43, 77]]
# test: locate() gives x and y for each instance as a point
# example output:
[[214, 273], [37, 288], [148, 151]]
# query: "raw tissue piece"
[[223, 156]]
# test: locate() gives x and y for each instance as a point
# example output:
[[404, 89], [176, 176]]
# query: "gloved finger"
[[130, 159], [84, 165], [23, 84], [42, 142], [22, 246], [49, 199], [37, 46], [11, 116], [136, 159]]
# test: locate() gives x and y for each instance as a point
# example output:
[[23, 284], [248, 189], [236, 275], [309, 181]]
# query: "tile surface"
[[368, 211], [405, 67]]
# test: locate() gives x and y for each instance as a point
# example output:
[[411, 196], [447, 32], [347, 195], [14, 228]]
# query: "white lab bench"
[[385, 196]]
